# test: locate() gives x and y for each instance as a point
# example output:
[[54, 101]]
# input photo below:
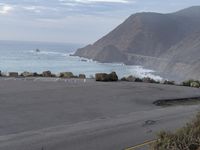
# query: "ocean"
[[22, 56]]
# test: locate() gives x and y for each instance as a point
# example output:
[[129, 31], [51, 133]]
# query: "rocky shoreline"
[[99, 77], [43, 74]]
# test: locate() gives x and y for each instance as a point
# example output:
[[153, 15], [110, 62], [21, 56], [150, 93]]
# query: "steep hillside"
[[168, 43]]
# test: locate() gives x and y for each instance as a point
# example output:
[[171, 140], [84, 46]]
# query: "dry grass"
[[186, 138]]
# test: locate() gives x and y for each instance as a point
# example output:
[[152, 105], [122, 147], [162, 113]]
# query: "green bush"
[[191, 83], [66, 75], [187, 83], [195, 84], [186, 138]]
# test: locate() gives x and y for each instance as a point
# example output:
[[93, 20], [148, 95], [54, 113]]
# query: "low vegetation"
[[66, 75], [191, 83], [186, 138]]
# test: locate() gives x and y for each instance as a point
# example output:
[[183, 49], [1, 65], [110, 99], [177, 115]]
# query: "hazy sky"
[[76, 21]]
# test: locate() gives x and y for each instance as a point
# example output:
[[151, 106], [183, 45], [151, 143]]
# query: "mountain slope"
[[157, 41]]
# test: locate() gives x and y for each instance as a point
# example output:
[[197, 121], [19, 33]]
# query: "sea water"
[[24, 56]]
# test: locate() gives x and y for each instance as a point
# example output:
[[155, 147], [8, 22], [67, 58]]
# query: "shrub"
[[187, 83], [186, 138], [66, 75], [191, 83], [195, 84]]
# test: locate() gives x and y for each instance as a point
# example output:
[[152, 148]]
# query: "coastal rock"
[[106, 77], [129, 78], [13, 74], [148, 80], [113, 76], [53, 75], [102, 77], [35, 74], [169, 82], [46, 74], [82, 76], [27, 74]]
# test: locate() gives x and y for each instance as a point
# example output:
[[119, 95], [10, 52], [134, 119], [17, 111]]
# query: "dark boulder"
[[106, 77], [169, 82], [113, 76], [129, 78], [27, 74], [13, 74], [82, 76], [46, 74], [53, 75], [102, 77], [35, 74], [149, 80]]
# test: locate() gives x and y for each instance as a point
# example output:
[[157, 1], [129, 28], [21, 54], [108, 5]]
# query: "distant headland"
[[167, 43]]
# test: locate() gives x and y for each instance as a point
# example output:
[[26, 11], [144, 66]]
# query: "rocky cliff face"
[[168, 43]]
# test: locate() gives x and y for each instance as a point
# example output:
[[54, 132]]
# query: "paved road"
[[58, 115]]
